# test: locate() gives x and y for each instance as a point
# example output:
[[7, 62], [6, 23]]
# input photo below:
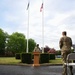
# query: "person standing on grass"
[[65, 45]]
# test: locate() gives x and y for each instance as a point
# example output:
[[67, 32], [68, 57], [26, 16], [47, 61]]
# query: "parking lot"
[[30, 70]]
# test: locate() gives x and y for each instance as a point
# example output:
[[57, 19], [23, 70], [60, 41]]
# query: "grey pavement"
[[30, 70]]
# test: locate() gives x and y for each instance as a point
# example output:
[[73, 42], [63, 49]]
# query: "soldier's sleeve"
[[60, 43]]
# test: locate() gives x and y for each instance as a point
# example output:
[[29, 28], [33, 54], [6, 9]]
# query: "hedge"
[[26, 58], [51, 56], [44, 58], [17, 56]]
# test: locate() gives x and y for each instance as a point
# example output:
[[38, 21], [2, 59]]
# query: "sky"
[[58, 16]]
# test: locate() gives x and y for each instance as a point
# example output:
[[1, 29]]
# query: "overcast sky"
[[59, 15]]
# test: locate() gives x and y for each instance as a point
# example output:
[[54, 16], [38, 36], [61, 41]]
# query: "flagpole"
[[28, 28], [43, 27]]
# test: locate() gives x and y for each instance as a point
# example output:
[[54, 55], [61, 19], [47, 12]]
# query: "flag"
[[28, 6], [41, 7]]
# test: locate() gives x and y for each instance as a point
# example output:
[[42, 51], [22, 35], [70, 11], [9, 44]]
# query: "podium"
[[36, 58]]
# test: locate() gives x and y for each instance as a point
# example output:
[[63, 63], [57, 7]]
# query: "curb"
[[23, 64]]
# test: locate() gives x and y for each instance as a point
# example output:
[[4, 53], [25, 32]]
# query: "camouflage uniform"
[[65, 44], [37, 49]]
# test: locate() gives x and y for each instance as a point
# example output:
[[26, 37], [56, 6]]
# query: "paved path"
[[29, 70]]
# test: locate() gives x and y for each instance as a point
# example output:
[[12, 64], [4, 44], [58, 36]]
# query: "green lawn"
[[56, 61], [9, 60], [12, 60]]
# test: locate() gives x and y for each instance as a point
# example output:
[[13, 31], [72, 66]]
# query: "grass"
[[56, 61], [9, 60], [12, 60]]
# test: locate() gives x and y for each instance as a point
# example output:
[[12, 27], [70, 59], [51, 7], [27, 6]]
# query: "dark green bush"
[[32, 56], [17, 56], [44, 58], [51, 56], [26, 58]]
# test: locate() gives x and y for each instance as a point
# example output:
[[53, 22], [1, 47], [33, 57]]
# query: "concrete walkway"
[[30, 70]]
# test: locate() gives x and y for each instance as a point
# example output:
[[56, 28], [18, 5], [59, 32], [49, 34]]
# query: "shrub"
[[51, 56], [17, 55], [26, 58], [44, 58]]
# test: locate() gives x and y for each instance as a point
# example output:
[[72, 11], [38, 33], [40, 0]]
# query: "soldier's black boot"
[[71, 68]]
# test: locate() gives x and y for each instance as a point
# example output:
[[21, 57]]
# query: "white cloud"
[[10, 17]]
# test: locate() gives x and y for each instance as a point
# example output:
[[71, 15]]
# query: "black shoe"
[[71, 68], [71, 73]]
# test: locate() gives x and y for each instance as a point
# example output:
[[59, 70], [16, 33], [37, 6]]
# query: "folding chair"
[[70, 57]]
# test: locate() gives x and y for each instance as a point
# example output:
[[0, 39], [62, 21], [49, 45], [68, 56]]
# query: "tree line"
[[17, 43], [14, 43]]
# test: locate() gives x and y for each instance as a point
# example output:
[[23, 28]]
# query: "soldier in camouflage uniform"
[[65, 44], [37, 49]]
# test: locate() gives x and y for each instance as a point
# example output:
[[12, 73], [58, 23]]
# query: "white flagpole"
[[43, 27], [28, 28]]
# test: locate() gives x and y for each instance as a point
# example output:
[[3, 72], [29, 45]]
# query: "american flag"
[[28, 6], [41, 7]]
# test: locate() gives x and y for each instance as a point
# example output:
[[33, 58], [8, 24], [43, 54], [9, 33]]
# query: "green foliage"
[[16, 43], [17, 55], [32, 44], [58, 52], [51, 56], [2, 42], [72, 50], [26, 58], [44, 58], [18, 35]]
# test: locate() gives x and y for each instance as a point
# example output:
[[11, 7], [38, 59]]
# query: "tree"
[[46, 49], [58, 52], [32, 44], [52, 50], [2, 42], [16, 43]]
